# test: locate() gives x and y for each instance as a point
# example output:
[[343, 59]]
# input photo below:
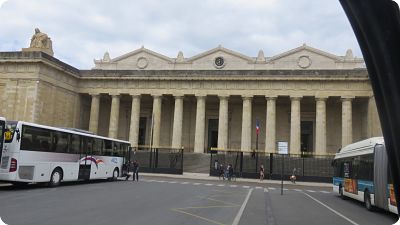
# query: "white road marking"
[[196, 183], [184, 182], [311, 191], [233, 185], [271, 188], [298, 190], [172, 182], [221, 185], [258, 187], [332, 210], [209, 184], [266, 190], [246, 186], [160, 181], [325, 192], [240, 212], [285, 189]]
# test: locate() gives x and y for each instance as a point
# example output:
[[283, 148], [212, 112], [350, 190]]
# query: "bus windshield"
[[9, 131]]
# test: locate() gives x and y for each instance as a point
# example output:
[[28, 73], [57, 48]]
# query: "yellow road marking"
[[199, 217], [228, 203]]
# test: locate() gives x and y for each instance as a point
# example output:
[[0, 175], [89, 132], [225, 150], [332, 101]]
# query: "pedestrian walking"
[[135, 170], [126, 168], [262, 172]]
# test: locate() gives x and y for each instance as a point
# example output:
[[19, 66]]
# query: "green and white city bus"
[[362, 173], [35, 153]]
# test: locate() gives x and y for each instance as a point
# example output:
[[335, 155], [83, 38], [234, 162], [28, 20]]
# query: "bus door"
[[380, 177], [86, 158]]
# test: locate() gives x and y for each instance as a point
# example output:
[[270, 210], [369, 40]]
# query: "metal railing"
[[305, 166], [158, 159]]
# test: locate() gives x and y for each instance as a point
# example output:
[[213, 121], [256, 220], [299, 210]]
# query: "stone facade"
[[316, 101]]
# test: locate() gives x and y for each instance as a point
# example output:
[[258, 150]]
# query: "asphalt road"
[[177, 201]]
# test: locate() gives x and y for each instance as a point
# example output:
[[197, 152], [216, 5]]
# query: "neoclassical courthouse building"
[[314, 100]]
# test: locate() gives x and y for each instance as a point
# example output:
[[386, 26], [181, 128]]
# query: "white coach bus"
[[35, 153], [362, 173]]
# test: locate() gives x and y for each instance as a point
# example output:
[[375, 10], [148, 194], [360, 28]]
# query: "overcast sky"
[[84, 30]]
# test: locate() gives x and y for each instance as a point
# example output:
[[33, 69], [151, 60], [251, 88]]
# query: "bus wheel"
[[115, 174], [55, 178], [367, 201]]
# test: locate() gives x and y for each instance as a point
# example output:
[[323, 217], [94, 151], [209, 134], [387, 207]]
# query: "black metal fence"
[[158, 160], [247, 165]]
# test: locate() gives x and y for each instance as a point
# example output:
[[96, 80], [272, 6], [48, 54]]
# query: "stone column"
[[295, 118], [223, 122], [177, 126], [320, 127], [94, 113], [246, 124], [270, 127], [135, 118], [347, 121], [200, 124], [114, 116], [374, 126], [157, 100]]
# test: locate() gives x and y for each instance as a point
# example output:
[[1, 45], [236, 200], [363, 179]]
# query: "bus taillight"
[[13, 165]]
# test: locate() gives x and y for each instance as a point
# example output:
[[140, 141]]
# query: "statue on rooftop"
[[40, 42]]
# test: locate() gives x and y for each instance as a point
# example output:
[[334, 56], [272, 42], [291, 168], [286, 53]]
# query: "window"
[[75, 146], [60, 142], [35, 139], [97, 146], [87, 145], [366, 168], [117, 149], [108, 148]]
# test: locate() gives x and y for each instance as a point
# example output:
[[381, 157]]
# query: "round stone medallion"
[[142, 63], [219, 62], [304, 62]]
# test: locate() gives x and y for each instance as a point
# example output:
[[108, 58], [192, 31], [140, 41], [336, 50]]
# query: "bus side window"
[[107, 148], [97, 146], [117, 149], [60, 142], [26, 141], [74, 146]]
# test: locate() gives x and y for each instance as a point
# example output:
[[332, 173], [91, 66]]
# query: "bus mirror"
[[8, 135]]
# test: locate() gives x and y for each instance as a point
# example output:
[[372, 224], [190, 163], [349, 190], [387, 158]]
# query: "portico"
[[314, 100]]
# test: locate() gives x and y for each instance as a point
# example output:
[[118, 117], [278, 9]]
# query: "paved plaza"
[[171, 201]]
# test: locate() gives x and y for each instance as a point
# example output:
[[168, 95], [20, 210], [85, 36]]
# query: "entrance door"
[[86, 158], [212, 133], [307, 136]]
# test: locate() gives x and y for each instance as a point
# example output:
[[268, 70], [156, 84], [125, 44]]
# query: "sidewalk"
[[205, 176]]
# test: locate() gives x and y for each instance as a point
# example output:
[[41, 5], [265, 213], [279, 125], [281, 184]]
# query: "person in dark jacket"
[[135, 169]]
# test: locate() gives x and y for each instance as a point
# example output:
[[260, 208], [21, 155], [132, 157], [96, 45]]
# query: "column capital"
[[223, 97], [296, 98], [347, 98], [94, 94], [271, 97], [247, 97], [179, 96], [156, 96], [201, 97], [321, 98], [115, 95], [136, 95]]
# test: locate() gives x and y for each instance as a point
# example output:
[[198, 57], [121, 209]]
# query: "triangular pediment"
[[220, 50], [142, 51], [306, 49]]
